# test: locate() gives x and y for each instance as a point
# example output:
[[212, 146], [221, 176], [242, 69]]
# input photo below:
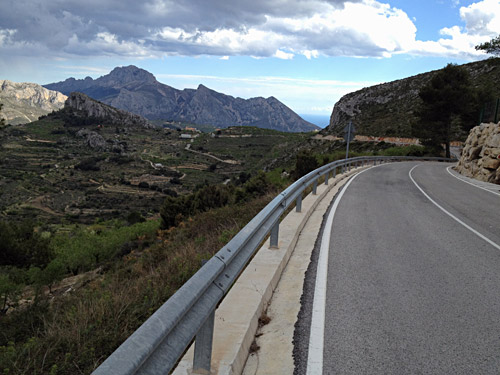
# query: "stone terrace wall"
[[481, 154]]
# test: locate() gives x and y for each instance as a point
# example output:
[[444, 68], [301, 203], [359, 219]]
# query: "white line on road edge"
[[470, 183], [451, 215], [316, 338]]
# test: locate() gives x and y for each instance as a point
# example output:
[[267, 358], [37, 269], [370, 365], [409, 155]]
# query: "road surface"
[[413, 276]]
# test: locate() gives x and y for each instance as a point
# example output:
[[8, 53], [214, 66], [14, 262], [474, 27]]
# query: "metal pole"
[[298, 204], [203, 346], [315, 186], [496, 111], [273, 241], [326, 178], [348, 139]]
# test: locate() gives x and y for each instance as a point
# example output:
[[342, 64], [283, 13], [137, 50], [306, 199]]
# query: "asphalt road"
[[410, 289]]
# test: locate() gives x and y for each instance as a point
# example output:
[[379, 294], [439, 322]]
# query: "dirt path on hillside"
[[227, 161], [37, 203]]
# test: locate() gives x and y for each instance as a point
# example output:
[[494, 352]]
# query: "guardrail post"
[[334, 172], [315, 186], [327, 174], [298, 203], [203, 346], [273, 241]]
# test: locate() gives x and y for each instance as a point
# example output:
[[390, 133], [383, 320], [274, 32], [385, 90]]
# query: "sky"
[[306, 53]]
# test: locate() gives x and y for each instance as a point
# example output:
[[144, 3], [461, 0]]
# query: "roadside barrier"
[[156, 346]]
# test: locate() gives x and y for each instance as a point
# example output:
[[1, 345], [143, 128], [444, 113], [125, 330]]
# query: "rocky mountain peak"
[[136, 90], [25, 102], [131, 73], [93, 108]]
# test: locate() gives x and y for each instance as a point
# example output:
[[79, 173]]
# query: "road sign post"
[[348, 136]]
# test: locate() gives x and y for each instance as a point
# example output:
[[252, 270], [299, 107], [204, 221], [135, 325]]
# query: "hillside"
[[26, 102], [388, 109], [137, 91], [69, 166]]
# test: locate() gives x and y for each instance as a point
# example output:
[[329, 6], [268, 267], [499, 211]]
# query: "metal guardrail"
[[156, 346]]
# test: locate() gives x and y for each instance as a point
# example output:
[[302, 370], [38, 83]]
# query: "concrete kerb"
[[236, 319]]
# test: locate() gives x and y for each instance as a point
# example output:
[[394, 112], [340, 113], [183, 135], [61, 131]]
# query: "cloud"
[[482, 23], [259, 28]]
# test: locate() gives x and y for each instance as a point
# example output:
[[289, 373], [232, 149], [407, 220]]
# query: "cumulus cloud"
[[482, 23], [259, 28]]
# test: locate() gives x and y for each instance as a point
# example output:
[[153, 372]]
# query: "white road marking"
[[495, 245], [316, 338], [470, 183]]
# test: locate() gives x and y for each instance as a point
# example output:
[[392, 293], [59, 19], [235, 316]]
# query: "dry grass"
[[76, 332]]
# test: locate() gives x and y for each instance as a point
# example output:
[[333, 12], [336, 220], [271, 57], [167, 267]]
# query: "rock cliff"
[[26, 102], [136, 90], [88, 107], [480, 157], [388, 109]]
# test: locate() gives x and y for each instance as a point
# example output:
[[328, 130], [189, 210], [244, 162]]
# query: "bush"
[[206, 197], [89, 164], [21, 246], [305, 163]]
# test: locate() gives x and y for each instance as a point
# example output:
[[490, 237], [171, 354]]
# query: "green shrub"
[[305, 163], [22, 246]]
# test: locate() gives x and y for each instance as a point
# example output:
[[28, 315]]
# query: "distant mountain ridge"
[[137, 91], [26, 102], [388, 109]]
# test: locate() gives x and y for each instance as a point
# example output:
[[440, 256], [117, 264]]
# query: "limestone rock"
[[88, 107], [92, 139], [481, 154], [26, 102], [388, 109]]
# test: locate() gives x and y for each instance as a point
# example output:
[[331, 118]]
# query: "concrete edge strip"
[[316, 338], [483, 237], [235, 366], [470, 183]]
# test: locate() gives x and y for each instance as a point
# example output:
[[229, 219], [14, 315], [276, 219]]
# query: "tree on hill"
[[493, 46], [446, 101]]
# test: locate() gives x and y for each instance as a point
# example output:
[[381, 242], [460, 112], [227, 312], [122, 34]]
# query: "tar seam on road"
[[316, 338], [451, 215], [470, 183]]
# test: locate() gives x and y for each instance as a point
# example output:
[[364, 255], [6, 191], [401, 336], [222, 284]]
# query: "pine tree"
[[447, 99], [493, 46]]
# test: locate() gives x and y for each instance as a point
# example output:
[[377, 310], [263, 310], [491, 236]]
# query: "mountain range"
[[389, 109], [25, 102], [137, 91]]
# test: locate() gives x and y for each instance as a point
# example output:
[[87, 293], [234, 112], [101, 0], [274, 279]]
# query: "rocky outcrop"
[[481, 154], [389, 109], [26, 102], [88, 107], [137, 91], [92, 139]]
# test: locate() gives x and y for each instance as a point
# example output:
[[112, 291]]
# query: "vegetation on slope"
[[114, 234]]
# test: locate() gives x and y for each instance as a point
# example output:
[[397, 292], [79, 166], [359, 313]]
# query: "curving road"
[[413, 276]]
